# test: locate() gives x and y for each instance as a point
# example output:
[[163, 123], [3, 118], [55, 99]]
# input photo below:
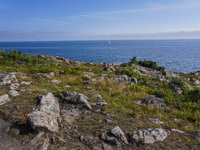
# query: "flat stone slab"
[[150, 135], [4, 99], [46, 113]]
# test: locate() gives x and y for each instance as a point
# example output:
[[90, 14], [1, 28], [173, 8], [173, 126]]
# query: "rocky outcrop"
[[46, 113], [38, 143], [78, 98], [7, 79], [149, 135], [154, 102], [4, 99], [46, 75], [117, 132]]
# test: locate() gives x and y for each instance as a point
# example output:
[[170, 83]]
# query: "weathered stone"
[[197, 133], [82, 99], [46, 75], [96, 96], [4, 99], [26, 83], [87, 88], [177, 130], [132, 80], [14, 86], [46, 113], [154, 102], [69, 96], [38, 143], [149, 135], [67, 86], [55, 81], [119, 133], [121, 79], [70, 113], [13, 93], [157, 121], [7, 79]]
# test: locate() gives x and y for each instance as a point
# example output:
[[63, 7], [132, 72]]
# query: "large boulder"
[[46, 113], [154, 102], [4, 99], [7, 79], [149, 135]]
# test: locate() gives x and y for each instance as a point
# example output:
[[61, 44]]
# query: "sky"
[[54, 20]]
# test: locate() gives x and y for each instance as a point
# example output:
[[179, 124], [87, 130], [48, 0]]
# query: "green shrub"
[[178, 82]]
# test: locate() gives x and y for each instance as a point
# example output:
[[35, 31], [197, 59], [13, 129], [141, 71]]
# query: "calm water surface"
[[174, 55]]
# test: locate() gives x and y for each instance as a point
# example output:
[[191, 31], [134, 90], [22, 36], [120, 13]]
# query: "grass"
[[121, 99]]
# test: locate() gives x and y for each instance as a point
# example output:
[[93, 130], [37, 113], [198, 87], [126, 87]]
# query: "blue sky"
[[47, 20]]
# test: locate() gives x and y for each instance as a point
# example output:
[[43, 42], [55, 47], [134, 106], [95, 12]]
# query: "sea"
[[174, 55]]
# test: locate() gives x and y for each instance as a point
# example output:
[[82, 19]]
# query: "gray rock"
[[7, 79], [45, 114], [69, 113], [119, 133], [55, 81], [82, 99], [4, 99], [177, 130], [149, 135], [67, 86], [46, 75], [97, 96], [26, 83], [110, 139], [132, 80], [121, 79], [108, 121], [14, 86], [154, 102], [69, 96], [87, 88], [197, 133], [38, 143], [13, 93], [157, 121]]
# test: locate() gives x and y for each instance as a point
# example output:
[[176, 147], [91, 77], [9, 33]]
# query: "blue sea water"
[[174, 55]]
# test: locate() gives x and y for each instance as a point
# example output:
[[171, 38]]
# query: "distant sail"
[[109, 43]]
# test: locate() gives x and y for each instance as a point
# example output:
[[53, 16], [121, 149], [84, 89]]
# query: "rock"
[[45, 114], [38, 143], [13, 93], [149, 135], [174, 121], [132, 80], [104, 77], [46, 75], [157, 121], [7, 79], [70, 113], [197, 133], [177, 130], [4, 99], [26, 83], [119, 133], [87, 82], [99, 104], [154, 102], [87, 88], [55, 81], [108, 121], [96, 96], [82, 99], [67, 86], [121, 79], [14, 86], [69, 96], [110, 139]]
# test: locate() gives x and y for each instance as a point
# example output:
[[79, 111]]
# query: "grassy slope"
[[120, 98]]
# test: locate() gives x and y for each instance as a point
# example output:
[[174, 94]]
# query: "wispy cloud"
[[171, 34], [3, 5], [152, 7], [51, 21]]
